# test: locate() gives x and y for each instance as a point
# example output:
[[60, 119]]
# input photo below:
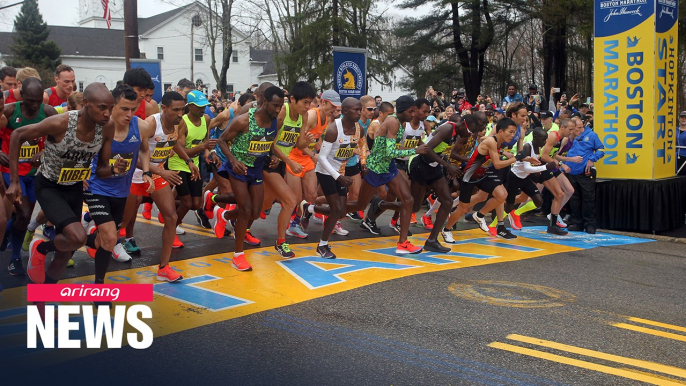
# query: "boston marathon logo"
[[349, 78], [622, 8]]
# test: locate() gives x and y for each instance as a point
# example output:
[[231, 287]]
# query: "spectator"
[[582, 176], [8, 78], [512, 95], [534, 100], [681, 142], [377, 99]]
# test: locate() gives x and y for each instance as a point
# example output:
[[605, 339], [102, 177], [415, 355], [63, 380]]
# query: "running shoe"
[[447, 236], [207, 204], [177, 243], [27, 241], [284, 250], [147, 210], [559, 221], [396, 228], [355, 216], [556, 230], [36, 265], [122, 232], [240, 263], [318, 218], [91, 251], [505, 233], [413, 219], [71, 263], [370, 225], [296, 231], [180, 231], [426, 222], [373, 208], [492, 231], [430, 200], [407, 247], [84, 222], [325, 252], [250, 239], [469, 217], [267, 212], [305, 214], [435, 246], [15, 268], [515, 221], [203, 221], [393, 224], [219, 226], [339, 229], [263, 215], [49, 232], [481, 221], [119, 253], [130, 247], [160, 218], [168, 274]]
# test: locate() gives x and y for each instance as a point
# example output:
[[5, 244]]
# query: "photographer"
[[534, 100]]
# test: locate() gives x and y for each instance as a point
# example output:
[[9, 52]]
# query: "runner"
[[479, 174], [22, 113], [110, 181], [64, 85], [14, 95], [161, 137], [520, 178], [252, 138], [337, 147], [192, 134], [72, 141], [8, 78], [382, 171], [353, 168]]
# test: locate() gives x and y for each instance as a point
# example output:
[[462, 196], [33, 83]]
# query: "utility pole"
[[335, 22], [131, 31], [196, 21]]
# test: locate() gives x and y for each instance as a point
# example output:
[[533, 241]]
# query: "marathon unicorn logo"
[[349, 79]]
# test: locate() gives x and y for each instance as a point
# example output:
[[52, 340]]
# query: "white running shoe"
[[296, 231], [481, 221], [339, 229], [448, 236], [119, 253], [180, 231], [560, 222]]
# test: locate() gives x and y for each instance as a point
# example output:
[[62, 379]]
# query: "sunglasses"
[[371, 108]]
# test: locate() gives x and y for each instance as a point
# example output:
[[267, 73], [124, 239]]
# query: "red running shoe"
[[250, 239], [407, 247], [177, 242], [515, 221], [147, 210], [36, 265], [219, 222], [207, 204], [426, 221]]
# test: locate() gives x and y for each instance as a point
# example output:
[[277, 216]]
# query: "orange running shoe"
[[250, 239], [147, 210], [36, 266], [515, 221], [207, 204], [91, 251], [122, 232], [407, 247], [492, 231], [160, 218], [240, 263], [168, 274], [219, 222], [413, 219], [177, 242], [426, 221]]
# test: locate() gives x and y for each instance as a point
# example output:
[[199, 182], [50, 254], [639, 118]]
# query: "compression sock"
[[45, 248], [529, 206], [102, 262]]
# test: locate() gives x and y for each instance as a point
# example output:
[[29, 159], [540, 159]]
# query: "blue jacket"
[[681, 141], [516, 98], [588, 146]]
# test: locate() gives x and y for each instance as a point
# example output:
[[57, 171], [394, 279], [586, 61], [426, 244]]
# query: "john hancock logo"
[[349, 78], [43, 320]]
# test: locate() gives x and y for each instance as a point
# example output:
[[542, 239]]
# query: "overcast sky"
[[66, 12]]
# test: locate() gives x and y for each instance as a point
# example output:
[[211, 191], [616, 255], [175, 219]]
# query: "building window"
[[229, 88], [80, 86], [160, 53], [198, 54], [234, 56]]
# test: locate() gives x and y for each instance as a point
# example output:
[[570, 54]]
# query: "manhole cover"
[[510, 294]]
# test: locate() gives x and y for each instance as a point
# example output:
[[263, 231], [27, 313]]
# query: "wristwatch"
[[148, 173], [188, 161]]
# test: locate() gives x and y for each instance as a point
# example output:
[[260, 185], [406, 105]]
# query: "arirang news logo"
[[50, 325]]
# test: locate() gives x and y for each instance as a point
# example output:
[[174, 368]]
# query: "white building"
[[97, 53]]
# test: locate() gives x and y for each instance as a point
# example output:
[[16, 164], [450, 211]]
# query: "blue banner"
[[349, 74], [153, 68]]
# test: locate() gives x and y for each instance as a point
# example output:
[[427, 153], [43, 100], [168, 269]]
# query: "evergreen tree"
[[31, 45]]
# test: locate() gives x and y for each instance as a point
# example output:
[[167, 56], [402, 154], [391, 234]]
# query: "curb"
[[678, 240]]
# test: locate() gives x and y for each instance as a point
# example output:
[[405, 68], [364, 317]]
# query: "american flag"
[[107, 15]]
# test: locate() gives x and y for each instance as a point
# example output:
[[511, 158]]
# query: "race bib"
[[344, 152], [259, 148], [26, 152], [411, 143], [128, 157], [162, 151], [288, 137], [78, 174]]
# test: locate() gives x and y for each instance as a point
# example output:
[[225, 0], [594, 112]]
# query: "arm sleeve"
[[396, 153], [324, 160], [533, 169]]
